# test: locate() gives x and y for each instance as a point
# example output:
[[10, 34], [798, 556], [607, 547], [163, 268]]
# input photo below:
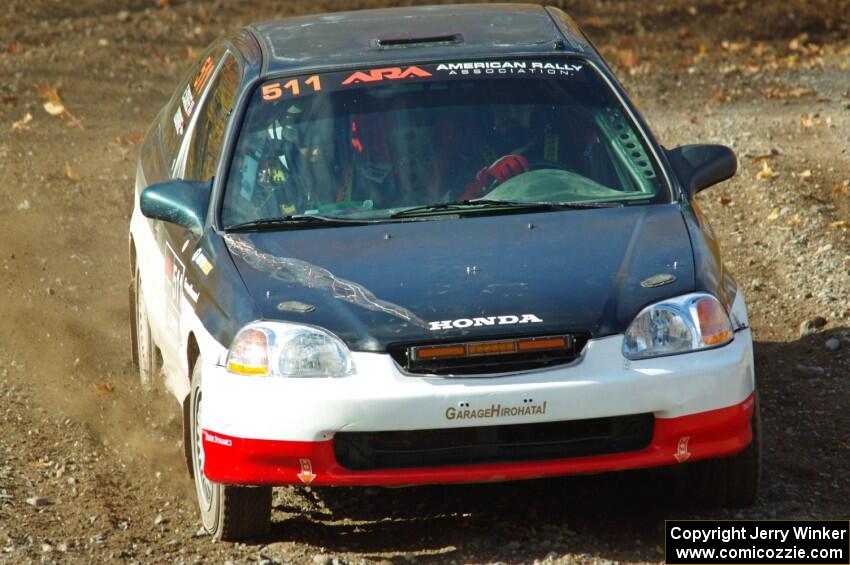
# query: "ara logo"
[[488, 321], [391, 73]]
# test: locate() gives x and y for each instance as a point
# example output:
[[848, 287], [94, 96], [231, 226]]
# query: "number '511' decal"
[[275, 90]]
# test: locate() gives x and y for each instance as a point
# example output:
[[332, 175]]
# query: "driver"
[[523, 134], [509, 138]]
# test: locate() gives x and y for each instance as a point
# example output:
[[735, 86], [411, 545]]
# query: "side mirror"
[[701, 166], [180, 202]]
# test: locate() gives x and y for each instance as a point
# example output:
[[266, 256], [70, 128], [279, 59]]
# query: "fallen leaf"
[[724, 200], [104, 388], [11, 99], [766, 173], [840, 189], [23, 123], [773, 214], [721, 96], [805, 175], [800, 91], [798, 42], [163, 3], [628, 58], [14, 48], [814, 120], [132, 139], [52, 103], [732, 46], [792, 93], [70, 172], [760, 49], [840, 224]]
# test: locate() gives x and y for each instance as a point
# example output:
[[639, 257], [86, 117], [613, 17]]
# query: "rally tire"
[[145, 348], [228, 513], [730, 482]]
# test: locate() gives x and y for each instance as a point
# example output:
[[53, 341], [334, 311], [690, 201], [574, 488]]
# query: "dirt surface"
[[91, 469]]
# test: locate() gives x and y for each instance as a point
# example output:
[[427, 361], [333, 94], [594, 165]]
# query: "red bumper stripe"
[[234, 460]]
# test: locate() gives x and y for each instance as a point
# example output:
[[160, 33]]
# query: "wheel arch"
[[193, 353]]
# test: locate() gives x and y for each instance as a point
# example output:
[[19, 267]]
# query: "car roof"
[[398, 35]]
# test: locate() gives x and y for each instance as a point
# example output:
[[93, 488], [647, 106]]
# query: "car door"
[[157, 161], [205, 105]]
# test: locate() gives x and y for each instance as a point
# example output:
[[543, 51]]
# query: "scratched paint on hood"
[[291, 270]]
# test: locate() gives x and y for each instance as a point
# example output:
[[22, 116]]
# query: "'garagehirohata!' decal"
[[495, 411], [292, 270]]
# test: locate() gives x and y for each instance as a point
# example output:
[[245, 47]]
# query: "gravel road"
[[91, 469]]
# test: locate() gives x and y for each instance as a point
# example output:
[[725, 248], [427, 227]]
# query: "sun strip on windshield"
[[293, 87]]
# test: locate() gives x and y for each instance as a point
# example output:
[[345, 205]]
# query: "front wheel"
[[228, 513]]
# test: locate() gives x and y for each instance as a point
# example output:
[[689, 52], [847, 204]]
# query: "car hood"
[[449, 277]]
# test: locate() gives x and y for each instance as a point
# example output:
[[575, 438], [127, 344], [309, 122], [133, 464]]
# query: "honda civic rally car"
[[431, 245]]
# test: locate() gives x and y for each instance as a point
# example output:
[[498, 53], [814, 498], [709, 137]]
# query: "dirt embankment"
[[91, 471]]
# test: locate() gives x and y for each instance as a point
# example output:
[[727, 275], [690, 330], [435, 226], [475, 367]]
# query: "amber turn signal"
[[713, 322]]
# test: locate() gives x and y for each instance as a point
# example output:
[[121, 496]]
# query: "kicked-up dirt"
[[91, 468]]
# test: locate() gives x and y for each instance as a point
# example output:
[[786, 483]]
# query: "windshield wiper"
[[296, 220], [508, 204]]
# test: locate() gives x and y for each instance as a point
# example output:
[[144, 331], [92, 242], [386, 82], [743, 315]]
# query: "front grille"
[[365, 451], [403, 354]]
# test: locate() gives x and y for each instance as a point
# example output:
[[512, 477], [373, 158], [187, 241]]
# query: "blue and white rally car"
[[431, 245]]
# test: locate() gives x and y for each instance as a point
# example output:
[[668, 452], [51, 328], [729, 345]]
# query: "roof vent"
[[429, 41]]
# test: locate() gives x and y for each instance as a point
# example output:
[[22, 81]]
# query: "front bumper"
[[233, 460], [280, 431]]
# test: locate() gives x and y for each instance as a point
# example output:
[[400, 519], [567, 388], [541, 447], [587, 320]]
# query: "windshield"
[[369, 144]]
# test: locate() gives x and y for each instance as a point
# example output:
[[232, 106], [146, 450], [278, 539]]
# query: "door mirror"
[[180, 202], [701, 166]]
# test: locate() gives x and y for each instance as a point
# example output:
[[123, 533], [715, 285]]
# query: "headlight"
[[288, 350], [678, 325]]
